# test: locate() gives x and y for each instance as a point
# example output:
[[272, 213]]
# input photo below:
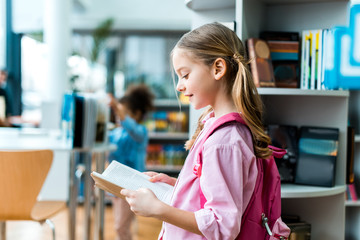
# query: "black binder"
[[318, 150]]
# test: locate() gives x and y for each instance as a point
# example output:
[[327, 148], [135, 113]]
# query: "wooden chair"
[[22, 175]]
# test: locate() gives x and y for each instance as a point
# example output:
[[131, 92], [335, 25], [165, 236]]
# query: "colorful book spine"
[[319, 63], [352, 191], [316, 60], [284, 50], [348, 195], [312, 60], [307, 43]]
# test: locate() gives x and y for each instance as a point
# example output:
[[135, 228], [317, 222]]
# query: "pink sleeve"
[[227, 182]]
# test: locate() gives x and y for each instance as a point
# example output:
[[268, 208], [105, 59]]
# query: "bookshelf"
[[352, 230], [168, 131], [323, 208]]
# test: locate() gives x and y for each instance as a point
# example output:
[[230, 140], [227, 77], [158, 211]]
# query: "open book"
[[118, 176]]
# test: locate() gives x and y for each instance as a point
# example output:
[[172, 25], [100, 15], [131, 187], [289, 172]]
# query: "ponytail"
[[249, 104]]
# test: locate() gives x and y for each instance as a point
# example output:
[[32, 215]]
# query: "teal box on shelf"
[[355, 35], [342, 61], [318, 151]]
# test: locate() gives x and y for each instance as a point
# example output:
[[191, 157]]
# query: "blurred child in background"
[[131, 139]]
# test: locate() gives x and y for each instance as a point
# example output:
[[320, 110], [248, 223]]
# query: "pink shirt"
[[228, 179]]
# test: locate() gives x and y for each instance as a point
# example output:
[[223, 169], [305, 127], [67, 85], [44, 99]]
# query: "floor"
[[143, 228]]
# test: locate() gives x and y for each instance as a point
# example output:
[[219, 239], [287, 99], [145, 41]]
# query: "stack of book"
[[313, 58], [165, 121], [165, 154], [284, 51], [84, 119]]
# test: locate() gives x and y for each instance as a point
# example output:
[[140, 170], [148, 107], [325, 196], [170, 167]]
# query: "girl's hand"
[[117, 107], [142, 202], [112, 101], [161, 177], [150, 173]]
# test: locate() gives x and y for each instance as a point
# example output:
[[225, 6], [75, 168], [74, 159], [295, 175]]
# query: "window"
[[33, 60], [138, 58]]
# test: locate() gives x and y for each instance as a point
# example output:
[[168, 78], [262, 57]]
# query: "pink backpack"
[[262, 217]]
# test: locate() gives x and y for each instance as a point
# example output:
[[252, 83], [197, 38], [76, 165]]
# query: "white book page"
[[132, 179]]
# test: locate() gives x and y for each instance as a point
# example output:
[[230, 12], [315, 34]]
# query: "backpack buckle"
[[265, 223]]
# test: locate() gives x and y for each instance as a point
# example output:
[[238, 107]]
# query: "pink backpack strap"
[[226, 119]]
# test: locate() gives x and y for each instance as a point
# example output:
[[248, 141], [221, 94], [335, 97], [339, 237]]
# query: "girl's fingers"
[[157, 177], [161, 177], [150, 173], [126, 192]]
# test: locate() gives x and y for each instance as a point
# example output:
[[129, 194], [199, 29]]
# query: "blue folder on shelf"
[[342, 68]]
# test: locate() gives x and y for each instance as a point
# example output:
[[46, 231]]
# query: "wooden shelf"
[[301, 191]]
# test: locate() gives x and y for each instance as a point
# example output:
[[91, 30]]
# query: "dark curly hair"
[[138, 97]]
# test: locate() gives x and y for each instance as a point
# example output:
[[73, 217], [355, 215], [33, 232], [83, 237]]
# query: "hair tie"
[[238, 57]]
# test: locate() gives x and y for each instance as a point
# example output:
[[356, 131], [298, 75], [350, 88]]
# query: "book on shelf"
[[285, 137], [167, 121], [342, 70], [284, 52], [318, 150], [165, 154], [313, 59], [351, 193], [84, 118], [300, 230], [350, 176], [280, 36], [260, 64], [118, 176]]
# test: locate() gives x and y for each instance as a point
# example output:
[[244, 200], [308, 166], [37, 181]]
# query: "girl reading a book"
[[131, 139], [212, 72]]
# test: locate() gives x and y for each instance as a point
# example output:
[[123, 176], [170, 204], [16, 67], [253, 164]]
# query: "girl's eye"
[[185, 76]]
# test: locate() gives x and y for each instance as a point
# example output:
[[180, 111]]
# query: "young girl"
[[131, 139], [213, 72]]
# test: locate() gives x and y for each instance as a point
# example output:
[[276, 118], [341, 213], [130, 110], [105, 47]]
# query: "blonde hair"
[[212, 41]]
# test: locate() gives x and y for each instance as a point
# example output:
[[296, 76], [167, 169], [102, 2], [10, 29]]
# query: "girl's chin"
[[198, 107]]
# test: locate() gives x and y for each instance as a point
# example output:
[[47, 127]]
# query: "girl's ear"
[[219, 68]]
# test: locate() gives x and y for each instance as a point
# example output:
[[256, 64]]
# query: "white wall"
[[134, 14]]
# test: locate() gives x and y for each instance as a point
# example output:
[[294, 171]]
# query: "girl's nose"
[[180, 86]]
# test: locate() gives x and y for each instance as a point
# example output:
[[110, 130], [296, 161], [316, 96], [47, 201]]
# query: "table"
[[30, 139]]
